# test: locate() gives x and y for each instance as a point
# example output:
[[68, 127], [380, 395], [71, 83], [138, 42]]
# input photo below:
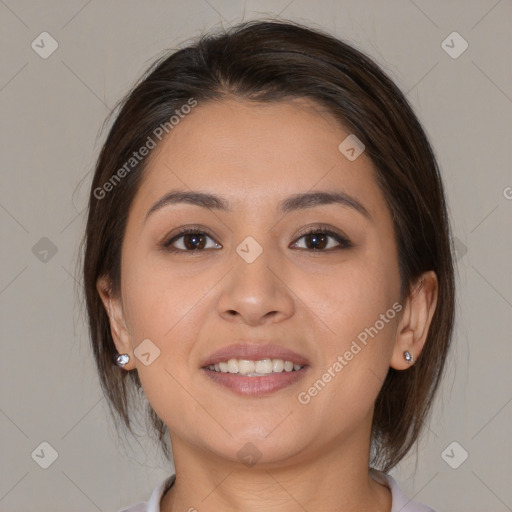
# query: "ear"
[[415, 321], [118, 328]]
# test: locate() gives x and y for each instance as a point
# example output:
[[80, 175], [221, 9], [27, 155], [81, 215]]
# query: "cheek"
[[358, 304], [352, 297], [167, 305], [356, 349], [162, 306], [158, 298]]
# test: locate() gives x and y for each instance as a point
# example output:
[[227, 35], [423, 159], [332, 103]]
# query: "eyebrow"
[[292, 203]]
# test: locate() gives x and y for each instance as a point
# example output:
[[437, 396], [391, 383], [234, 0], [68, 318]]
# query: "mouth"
[[253, 369], [250, 368]]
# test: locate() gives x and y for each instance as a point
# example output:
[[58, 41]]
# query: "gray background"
[[52, 111]]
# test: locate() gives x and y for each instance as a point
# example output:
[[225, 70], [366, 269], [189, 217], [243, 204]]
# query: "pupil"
[[318, 239], [194, 238]]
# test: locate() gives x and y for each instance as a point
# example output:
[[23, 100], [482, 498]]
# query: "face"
[[251, 274]]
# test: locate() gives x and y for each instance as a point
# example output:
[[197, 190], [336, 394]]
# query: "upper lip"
[[254, 352]]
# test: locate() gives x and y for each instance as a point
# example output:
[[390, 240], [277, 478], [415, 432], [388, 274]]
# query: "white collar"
[[153, 505], [399, 501]]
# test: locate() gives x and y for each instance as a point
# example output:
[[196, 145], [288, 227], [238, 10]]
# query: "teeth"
[[264, 366], [232, 366], [288, 366], [254, 368], [277, 365], [245, 367]]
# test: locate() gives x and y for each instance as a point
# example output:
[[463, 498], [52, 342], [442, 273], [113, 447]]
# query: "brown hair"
[[269, 61]]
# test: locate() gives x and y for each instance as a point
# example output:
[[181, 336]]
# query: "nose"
[[256, 293]]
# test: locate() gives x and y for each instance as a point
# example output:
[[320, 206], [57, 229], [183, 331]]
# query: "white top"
[[400, 502]]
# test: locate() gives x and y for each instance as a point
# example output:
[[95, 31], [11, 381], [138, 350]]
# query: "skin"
[[315, 302]]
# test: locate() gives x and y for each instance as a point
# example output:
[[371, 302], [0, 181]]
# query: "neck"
[[335, 479]]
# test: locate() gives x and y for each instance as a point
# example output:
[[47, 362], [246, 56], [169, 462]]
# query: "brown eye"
[[317, 240], [193, 241], [190, 240], [321, 239]]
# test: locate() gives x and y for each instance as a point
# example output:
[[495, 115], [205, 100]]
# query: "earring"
[[408, 357], [122, 359]]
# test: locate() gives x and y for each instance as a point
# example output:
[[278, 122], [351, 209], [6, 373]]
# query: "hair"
[[274, 61]]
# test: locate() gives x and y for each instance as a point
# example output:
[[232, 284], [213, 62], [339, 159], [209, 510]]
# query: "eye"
[[317, 239], [190, 240]]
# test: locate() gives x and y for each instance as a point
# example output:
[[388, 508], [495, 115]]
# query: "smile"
[[254, 368], [255, 378]]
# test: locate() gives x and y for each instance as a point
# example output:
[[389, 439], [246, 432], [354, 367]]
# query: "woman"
[[267, 257]]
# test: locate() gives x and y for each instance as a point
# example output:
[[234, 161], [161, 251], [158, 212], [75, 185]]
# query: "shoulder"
[[153, 504], [400, 502]]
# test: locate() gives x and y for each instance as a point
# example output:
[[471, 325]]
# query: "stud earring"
[[122, 360], [408, 356]]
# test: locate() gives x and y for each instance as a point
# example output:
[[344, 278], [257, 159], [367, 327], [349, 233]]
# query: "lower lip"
[[256, 386]]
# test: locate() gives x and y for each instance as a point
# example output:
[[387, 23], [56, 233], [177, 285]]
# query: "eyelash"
[[344, 243]]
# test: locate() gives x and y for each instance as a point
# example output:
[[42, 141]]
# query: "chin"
[[263, 449]]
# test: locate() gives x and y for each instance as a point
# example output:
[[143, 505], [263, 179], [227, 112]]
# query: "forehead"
[[257, 152]]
